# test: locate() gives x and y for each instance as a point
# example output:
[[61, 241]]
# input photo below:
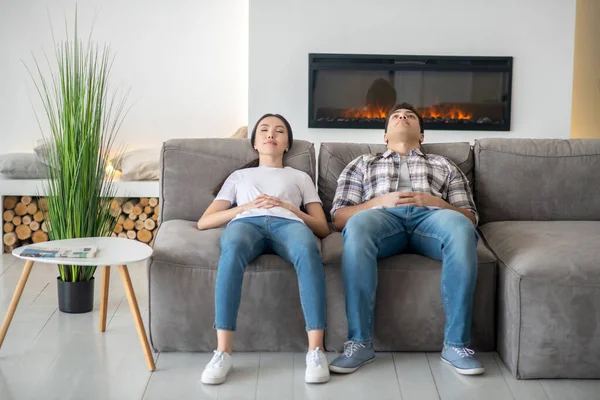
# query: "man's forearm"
[[342, 215]]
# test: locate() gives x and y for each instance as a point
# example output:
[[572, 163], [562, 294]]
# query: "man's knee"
[[456, 229], [455, 221], [361, 224]]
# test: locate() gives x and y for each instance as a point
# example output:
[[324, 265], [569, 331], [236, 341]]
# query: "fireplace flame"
[[368, 111], [436, 111], [445, 111]]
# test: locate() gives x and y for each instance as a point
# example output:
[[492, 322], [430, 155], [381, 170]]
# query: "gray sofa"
[[538, 305], [539, 202]]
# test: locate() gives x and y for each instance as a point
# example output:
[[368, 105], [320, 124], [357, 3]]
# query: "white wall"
[[539, 35], [184, 62]]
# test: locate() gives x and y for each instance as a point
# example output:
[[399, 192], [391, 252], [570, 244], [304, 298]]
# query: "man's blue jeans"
[[245, 239], [444, 235]]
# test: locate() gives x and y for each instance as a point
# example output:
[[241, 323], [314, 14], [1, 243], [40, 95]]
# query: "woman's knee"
[[237, 237], [304, 238], [305, 250], [234, 243]]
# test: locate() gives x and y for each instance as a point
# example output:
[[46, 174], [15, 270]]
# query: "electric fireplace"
[[453, 93]]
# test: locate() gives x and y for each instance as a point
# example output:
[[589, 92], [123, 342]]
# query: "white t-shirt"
[[287, 184]]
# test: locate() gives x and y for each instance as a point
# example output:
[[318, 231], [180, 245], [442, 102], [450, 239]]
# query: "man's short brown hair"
[[404, 106]]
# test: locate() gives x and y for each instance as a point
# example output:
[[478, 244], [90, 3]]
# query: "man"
[[406, 201]]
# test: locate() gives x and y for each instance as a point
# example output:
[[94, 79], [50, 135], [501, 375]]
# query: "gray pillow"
[[40, 150], [21, 166]]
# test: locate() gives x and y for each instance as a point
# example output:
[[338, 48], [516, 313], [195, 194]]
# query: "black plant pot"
[[75, 297]]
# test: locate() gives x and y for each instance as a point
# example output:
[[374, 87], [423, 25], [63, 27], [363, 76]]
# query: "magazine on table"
[[60, 252]]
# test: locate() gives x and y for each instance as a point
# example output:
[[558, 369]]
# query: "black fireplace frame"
[[329, 61]]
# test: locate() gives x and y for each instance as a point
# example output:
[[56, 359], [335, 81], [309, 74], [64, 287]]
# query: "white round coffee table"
[[111, 251]]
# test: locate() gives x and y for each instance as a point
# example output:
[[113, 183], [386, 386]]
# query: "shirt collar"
[[413, 152]]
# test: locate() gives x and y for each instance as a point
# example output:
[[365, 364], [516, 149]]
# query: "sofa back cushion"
[[537, 179], [190, 169], [333, 158]]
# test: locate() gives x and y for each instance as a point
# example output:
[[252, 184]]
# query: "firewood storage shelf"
[[36, 187]]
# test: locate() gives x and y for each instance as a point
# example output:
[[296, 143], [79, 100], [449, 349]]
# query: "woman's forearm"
[[319, 227], [218, 218]]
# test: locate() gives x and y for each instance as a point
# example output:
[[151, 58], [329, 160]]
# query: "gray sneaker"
[[355, 356]]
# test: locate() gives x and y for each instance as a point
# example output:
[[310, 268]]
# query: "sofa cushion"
[[192, 168], [537, 180], [179, 242], [333, 245], [553, 252], [333, 158]]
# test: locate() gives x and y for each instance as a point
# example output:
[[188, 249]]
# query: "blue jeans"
[[444, 235], [245, 239]]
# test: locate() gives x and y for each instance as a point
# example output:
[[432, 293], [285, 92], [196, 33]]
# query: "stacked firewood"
[[24, 221], [25, 218], [137, 218]]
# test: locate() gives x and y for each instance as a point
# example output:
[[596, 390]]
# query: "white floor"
[[51, 355]]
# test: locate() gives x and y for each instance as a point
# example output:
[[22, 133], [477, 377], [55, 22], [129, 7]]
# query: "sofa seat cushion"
[[333, 246], [180, 242], [556, 252]]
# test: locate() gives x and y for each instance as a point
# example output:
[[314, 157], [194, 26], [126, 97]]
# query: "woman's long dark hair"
[[254, 163]]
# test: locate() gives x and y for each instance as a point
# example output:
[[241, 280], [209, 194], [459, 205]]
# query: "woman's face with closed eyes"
[[271, 137]]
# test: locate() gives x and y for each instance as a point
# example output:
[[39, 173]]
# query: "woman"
[[268, 219]]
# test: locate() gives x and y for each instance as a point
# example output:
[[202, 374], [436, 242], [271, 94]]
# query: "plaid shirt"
[[373, 175]]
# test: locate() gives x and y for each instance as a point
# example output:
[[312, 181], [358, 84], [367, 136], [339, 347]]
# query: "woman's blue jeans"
[[245, 239]]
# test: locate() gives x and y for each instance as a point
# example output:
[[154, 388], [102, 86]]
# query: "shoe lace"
[[351, 347], [464, 352], [217, 360], [313, 358]]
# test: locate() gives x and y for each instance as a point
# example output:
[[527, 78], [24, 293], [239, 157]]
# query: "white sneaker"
[[217, 369], [317, 367]]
